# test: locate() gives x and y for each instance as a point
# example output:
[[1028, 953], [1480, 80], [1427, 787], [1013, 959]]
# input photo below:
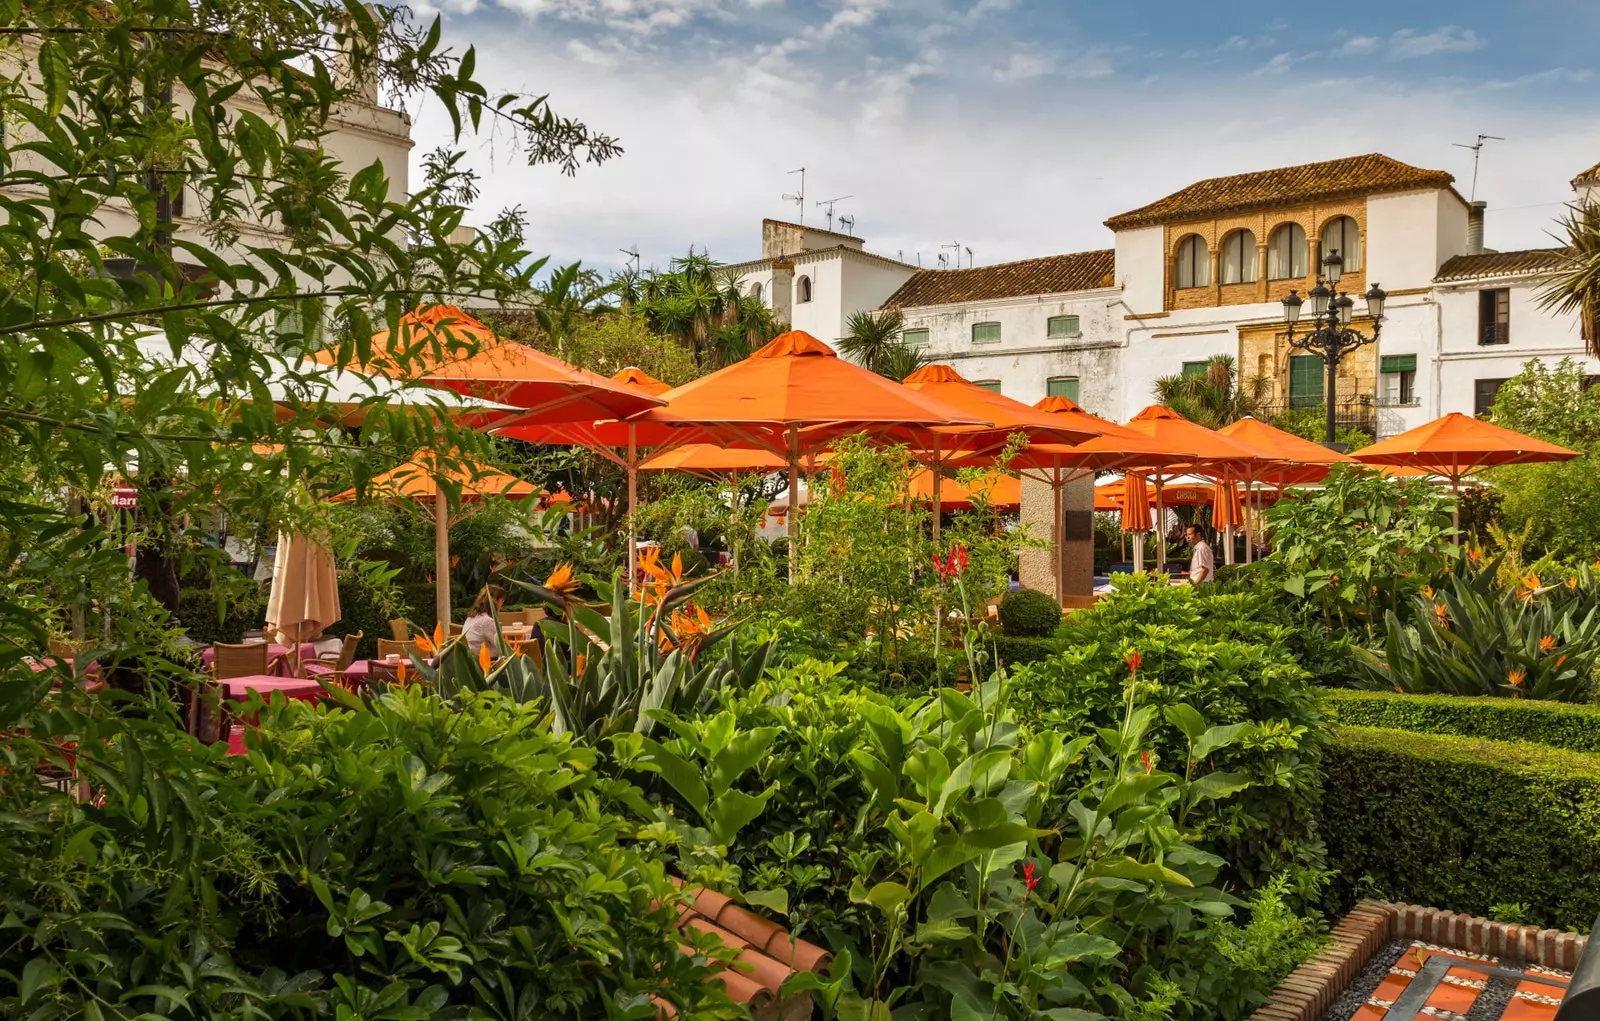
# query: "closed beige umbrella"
[[305, 592]]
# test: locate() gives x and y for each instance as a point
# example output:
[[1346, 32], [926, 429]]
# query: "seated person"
[[479, 629]]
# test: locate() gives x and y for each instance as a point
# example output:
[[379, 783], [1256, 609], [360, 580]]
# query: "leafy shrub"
[[1029, 613], [1214, 652], [1556, 724], [221, 614], [940, 848], [1435, 819], [408, 859], [1476, 638], [1015, 650]]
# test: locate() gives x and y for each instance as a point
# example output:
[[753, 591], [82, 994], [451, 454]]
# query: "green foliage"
[[1029, 613], [1017, 650], [1212, 651], [1311, 423], [1274, 942], [700, 307], [1557, 724], [221, 613], [1475, 637], [1553, 501], [1216, 397], [1435, 819], [405, 858], [1362, 545], [873, 340], [960, 865]]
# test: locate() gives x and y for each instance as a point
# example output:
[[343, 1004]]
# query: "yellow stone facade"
[[1310, 218], [1264, 351]]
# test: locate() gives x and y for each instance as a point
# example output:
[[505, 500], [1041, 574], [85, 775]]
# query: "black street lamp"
[[1330, 335]]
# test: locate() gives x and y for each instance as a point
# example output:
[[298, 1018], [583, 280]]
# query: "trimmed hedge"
[[1015, 650], [1029, 613], [1465, 822], [1556, 724]]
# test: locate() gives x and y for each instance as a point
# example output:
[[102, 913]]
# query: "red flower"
[[1028, 877], [938, 565], [1144, 757], [958, 559], [1135, 661]]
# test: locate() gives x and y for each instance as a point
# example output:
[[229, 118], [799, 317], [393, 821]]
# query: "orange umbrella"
[[640, 380], [798, 385], [445, 347], [1226, 513], [1002, 490], [1008, 416], [1301, 460], [710, 459], [423, 479], [1458, 445]]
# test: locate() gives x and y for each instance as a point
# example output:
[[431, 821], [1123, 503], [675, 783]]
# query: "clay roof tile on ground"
[[1501, 264], [1053, 274], [1373, 173]]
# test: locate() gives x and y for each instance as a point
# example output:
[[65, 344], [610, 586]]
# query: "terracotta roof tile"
[[767, 954], [1352, 176], [1053, 274], [1501, 264], [1592, 174]]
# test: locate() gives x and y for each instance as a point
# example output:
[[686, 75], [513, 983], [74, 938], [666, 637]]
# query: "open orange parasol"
[[424, 479], [1002, 490], [1008, 416], [794, 389], [1301, 461], [445, 347], [710, 459], [1458, 445]]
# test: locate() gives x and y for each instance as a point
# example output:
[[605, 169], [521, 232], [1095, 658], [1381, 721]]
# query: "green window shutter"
[[1307, 381], [986, 333], [1194, 369], [1058, 327], [1062, 386], [992, 385], [1398, 363], [914, 338]]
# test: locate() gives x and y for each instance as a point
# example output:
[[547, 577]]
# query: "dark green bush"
[[413, 860], [1556, 724], [1436, 819], [241, 610], [1016, 650], [1213, 651], [1029, 613]]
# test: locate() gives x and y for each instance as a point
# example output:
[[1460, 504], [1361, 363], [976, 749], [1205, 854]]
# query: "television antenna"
[[969, 258], [944, 261], [800, 198], [633, 256], [1477, 150], [849, 224], [956, 245], [829, 203]]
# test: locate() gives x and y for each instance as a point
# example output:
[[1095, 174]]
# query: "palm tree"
[[901, 360], [871, 337], [571, 295], [1576, 287], [1216, 397]]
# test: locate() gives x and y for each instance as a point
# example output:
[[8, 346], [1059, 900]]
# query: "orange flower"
[[1516, 677], [484, 658], [563, 581], [425, 644], [1427, 590], [1442, 612], [580, 666], [1572, 583], [1546, 643], [693, 626], [1474, 554], [658, 579], [438, 634], [400, 673]]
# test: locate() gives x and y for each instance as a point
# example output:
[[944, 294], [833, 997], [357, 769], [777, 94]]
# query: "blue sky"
[[1012, 126]]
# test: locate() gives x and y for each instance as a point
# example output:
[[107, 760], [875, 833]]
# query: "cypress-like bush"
[[1465, 822], [1557, 724]]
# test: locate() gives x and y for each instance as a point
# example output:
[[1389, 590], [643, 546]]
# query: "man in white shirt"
[[1202, 564]]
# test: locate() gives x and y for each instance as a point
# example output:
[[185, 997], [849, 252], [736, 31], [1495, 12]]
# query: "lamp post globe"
[[1330, 336], [1291, 308]]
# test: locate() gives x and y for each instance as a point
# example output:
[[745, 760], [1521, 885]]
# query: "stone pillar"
[[1037, 566], [782, 290]]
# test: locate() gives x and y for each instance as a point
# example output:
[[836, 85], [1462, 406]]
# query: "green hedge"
[[1015, 650], [1557, 724], [1465, 823]]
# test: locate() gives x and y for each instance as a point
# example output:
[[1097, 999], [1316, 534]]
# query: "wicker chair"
[[238, 660], [400, 629], [387, 648], [455, 630], [334, 666], [208, 722]]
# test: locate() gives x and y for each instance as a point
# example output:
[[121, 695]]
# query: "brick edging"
[[1309, 990]]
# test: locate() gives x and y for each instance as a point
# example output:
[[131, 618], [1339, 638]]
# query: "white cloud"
[[1408, 42], [1024, 66], [1279, 64], [641, 17], [1360, 46]]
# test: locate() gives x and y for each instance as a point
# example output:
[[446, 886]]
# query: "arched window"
[[1286, 253], [1239, 262], [755, 290], [1194, 263], [1340, 235], [803, 288]]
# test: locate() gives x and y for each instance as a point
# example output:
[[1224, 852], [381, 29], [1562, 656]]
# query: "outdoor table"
[[279, 659], [361, 669], [239, 689]]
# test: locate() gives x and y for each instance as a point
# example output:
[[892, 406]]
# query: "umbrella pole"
[[936, 481], [633, 500], [441, 556], [1227, 516], [1161, 530], [794, 504], [1057, 532], [1455, 489]]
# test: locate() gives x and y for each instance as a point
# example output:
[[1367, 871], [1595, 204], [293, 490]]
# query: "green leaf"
[[945, 930], [1187, 719], [39, 973], [55, 72], [1216, 785], [1218, 738], [733, 810], [887, 897], [1130, 789], [776, 901]]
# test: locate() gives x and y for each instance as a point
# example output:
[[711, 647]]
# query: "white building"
[[815, 279], [1204, 270]]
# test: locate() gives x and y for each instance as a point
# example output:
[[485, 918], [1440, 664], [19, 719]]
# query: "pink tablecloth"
[[279, 660]]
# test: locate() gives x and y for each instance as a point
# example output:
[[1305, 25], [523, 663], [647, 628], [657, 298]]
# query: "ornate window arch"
[[1342, 235], [802, 288], [1240, 264], [1286, 252], [1192, 263], [755, 290]]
